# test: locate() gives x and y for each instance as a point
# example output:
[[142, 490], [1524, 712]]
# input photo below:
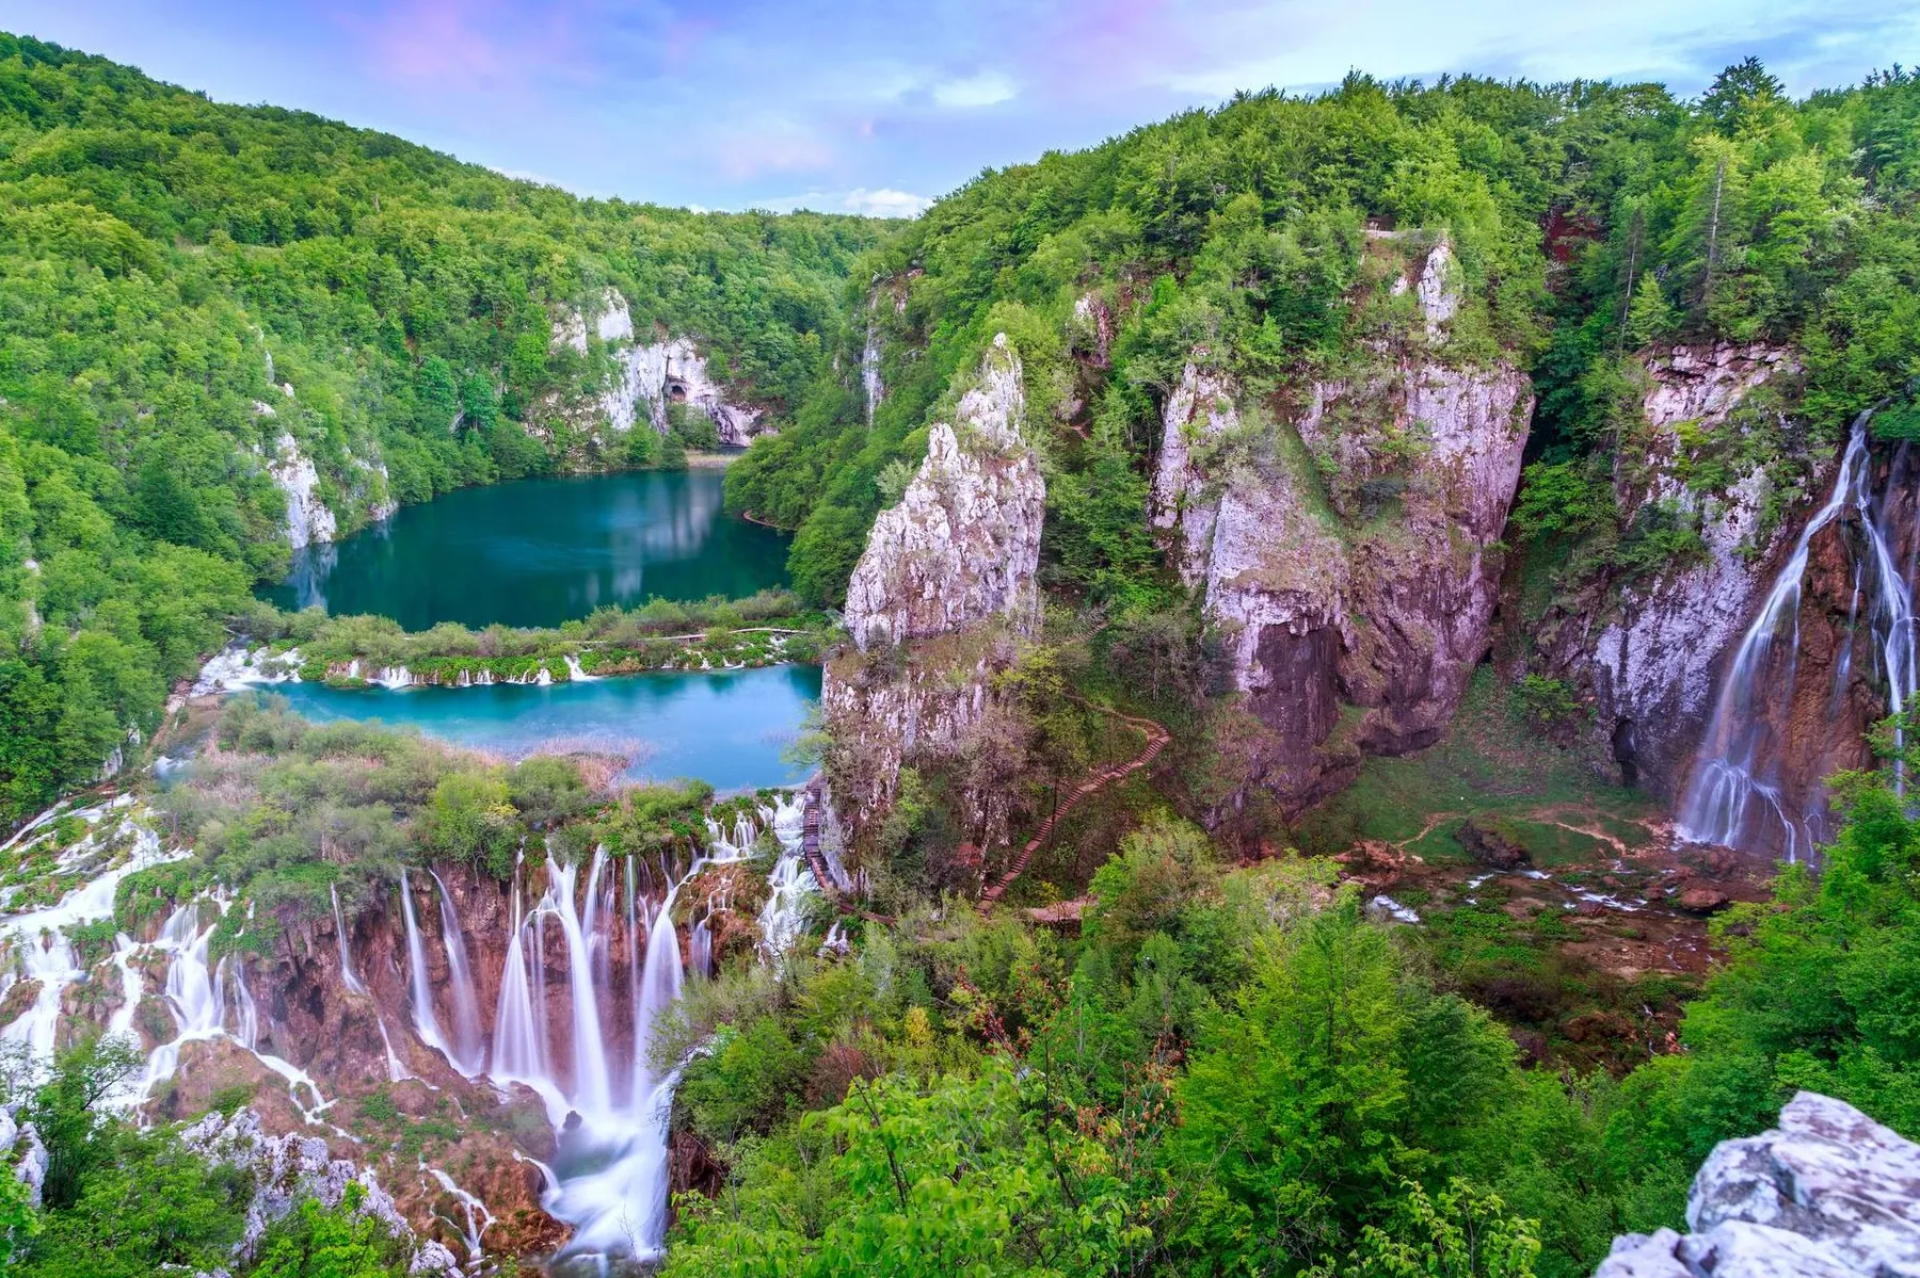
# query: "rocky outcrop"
[[309, 521], [285, 1170], [1828, 1194], [946, 585], [651, 377], [1344, 543], [963, 543], [1646, 653]]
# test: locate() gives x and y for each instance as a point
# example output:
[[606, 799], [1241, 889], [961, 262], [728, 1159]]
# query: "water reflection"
[[538, 552]]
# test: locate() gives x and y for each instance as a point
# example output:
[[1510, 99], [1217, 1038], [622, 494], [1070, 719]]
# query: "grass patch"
[[1490, 763]]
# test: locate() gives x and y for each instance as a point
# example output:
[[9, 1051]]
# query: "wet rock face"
[[1373, 588], [939, 599], [1648, 652], [1829, 1192]]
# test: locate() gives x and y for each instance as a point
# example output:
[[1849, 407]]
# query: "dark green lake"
[[537, 552]]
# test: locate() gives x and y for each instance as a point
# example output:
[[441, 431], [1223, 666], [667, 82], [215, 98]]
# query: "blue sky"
[[877, 105]]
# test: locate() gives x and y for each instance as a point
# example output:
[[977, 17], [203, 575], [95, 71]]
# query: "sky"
[[877, 106]]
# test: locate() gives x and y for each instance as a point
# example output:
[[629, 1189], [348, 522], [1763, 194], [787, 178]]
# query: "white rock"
[[661, 373], [963, 542], [309, 522], [1827, 1194]]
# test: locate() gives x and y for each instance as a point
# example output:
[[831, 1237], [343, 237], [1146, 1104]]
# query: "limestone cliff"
[[649, 378], [946, 584], [1828, 1194], [1644, 651], [1344, 542]]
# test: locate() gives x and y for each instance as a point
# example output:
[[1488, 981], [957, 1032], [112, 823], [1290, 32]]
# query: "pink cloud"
[[746, 153], [487, 44]]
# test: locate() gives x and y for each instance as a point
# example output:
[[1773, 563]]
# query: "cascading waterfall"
[[467, 1040], [347, 976], [425, 1023], [610, 1178], [1730, 799]]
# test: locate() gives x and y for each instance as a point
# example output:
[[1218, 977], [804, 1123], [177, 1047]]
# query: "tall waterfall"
[[425, 1023], [1735, 797], [590, 1056], [466, 1007]]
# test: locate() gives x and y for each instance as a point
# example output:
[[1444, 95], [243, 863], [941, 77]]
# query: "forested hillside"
[[1279, 578], [1591, 221], [184, 284]]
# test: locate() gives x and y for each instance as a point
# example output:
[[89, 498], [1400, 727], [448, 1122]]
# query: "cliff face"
[[1828, 1194], [945, 588], [1646, 653], [1343, 544], [651, 377]]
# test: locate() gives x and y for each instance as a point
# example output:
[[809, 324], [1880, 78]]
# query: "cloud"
[[884, 202], [776, 146], [467, 44], [989, 88]]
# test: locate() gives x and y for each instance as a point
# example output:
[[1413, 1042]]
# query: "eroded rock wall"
[[940, 598], [1344, 542], [1645, 652]]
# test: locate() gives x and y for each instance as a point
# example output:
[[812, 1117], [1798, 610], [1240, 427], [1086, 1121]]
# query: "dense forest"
[[185, 283], [1591, 221], [1185, 1042]]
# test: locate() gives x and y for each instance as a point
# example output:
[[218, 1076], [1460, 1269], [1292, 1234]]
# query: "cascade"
[[467, 1038], [246, 1017], [425, 1024], [1734, 797], [784, 916], [870, 363], [396, 1070], [576, 673], [591, 1092], [347, 977]]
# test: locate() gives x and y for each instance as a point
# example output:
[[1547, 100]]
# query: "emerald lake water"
[[537, 552], [727, 728]]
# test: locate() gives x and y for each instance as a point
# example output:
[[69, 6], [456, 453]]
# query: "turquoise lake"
[[537, 552], [727, 728]]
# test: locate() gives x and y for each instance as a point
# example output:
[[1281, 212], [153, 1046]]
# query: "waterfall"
[[576, 673], [519, 1039], [1732, 798], [784, 916], [467, 1038], [347, 976], [870, 364], [591, 1092], [425, 1024], [246, 1017]]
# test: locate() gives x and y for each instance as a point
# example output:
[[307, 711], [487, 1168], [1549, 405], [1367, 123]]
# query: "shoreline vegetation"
[[768, 628]]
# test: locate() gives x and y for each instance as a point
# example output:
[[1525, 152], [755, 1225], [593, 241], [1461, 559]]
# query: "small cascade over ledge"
[[1830, 651]]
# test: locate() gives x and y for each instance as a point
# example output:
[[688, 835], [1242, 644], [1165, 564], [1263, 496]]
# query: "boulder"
[[1828, 1194]]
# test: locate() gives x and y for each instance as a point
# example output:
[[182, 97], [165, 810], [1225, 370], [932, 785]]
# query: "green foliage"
[[316, 1242], [193, 288], [1462, 1232], [1548, 702]]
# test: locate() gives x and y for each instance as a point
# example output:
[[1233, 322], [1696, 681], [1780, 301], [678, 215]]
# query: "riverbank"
[[768, 628]]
